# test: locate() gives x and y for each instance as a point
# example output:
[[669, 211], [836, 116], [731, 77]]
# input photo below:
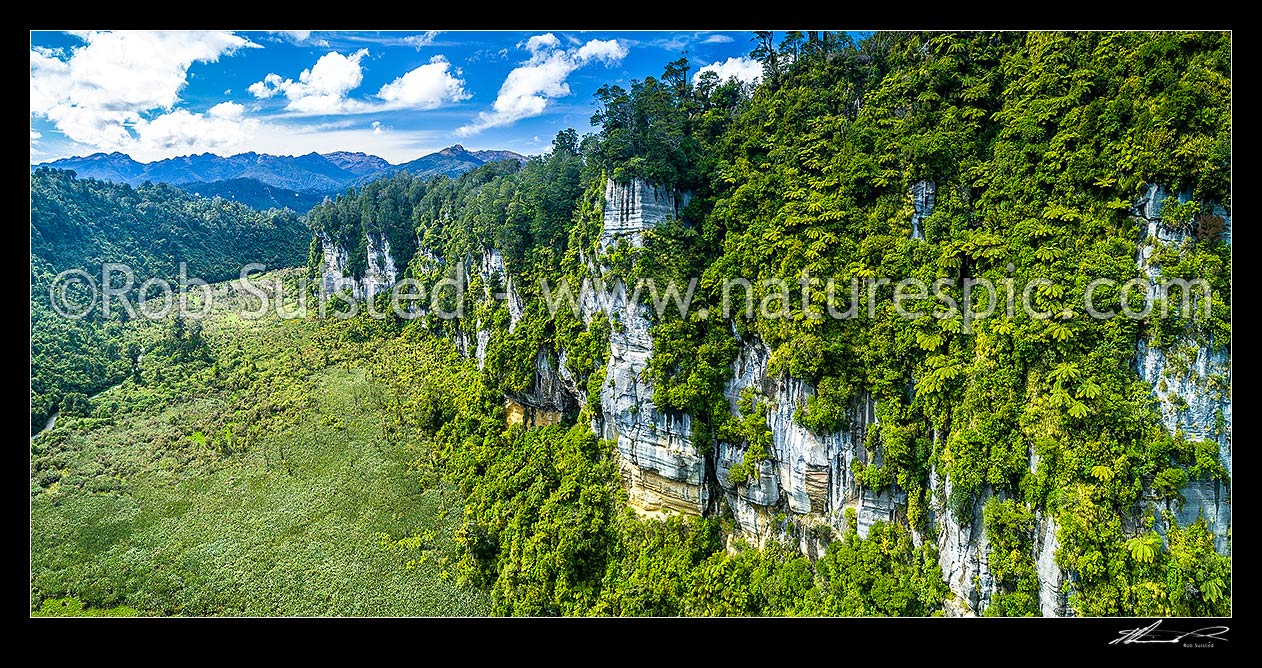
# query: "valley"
[[749, 435], [246, 477]]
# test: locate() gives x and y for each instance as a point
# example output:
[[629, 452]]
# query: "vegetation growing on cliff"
[[1036, 145]]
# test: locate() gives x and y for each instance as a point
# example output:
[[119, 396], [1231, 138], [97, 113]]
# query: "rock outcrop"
[[1054, 587], [923, 193], [631, 208], [380, 274], [495, 273], [1191, 379], [811, 475], [661, 467]]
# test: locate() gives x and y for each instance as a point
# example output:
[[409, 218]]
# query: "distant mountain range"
[[263, 181]]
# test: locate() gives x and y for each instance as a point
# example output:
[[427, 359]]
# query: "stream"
[[52, 419]]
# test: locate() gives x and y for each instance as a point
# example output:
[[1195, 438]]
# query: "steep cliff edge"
[[336, 275], [661, 467], [1190, 378], [803, 490]]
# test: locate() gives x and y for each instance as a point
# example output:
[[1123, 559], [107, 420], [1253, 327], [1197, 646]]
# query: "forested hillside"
[[80, 224], [525, 459], [1038, 147], [256, 194]]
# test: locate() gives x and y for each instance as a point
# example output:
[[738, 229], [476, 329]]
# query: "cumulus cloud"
[[425, 87], [222, 126], [378, 128], [608, 51], [322, 89], [743, 68], [325, 88], [537, 43], [528, 88], [101, 92], [716, 39]]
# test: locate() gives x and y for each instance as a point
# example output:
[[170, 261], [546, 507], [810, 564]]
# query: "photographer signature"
[[1154, 634]]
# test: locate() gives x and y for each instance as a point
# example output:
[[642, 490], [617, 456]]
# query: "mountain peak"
[[496, 155], [453, 150], [357, 163]]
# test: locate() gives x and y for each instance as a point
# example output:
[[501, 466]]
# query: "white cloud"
[[35, 135], [229, 111], [321, 89], [424, 39], [101, 92], [269, 86], [378, 128], [296, 36], [745, 69], [528, 88], [425, 87], [338, 124], [221, 128], [543, 42], [325, 88], [609, 51], [716, 39], [395, 145]]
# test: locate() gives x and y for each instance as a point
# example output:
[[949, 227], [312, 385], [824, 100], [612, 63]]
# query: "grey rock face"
[[1190, 380], [493, 270], [1053, 586], [380, 274], [923, 193], [762, 488], [633, 207], [482, 338], [333, 266], [549, 390], [661, 466], [963, 551], [811, 474]]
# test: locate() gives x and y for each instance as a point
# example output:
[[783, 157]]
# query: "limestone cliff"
[[379, 275], [804, 490], [1191, 379], [810, 475], [660, 465], [923, 193]]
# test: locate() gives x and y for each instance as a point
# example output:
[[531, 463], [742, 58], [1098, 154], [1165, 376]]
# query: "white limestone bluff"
[[379, 275], [922, 200], [661, 468], [1190, 379]]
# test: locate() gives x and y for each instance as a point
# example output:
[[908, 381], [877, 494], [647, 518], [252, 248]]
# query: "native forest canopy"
[[613, 459]]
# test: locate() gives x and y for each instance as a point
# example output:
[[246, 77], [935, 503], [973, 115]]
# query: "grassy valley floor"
[[242, 471]]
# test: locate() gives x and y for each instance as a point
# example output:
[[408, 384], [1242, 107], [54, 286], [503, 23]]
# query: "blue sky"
[[399, 95]]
